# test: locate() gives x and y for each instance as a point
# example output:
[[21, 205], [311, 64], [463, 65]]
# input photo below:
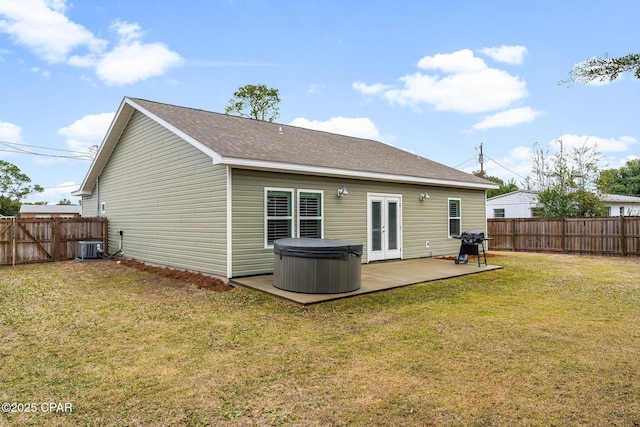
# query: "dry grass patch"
[[547, 340]]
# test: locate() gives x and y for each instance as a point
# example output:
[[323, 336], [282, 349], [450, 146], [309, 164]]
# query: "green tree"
[[9, 207], [256, 102], [603, 69], [65, 201], [14, 186], [508, 187], [625, 180], [555, 202], [564, 181]]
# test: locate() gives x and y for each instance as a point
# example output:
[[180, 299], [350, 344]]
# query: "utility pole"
[[481, 161]]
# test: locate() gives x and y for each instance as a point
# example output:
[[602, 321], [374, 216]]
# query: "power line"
[[16, 149], [62, 186], [39, 146], [466, 161], [504, 167]]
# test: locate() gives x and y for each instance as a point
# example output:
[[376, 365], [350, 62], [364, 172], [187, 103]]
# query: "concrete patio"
[[375, 277]]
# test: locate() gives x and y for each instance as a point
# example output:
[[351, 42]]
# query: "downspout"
[[98, 196]]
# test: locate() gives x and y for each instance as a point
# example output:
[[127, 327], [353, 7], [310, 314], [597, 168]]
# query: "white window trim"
[[321, 217], [103, 207], [266, 218], [449, 218]]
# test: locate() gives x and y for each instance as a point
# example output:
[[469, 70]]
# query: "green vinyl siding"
[[346, 217], [167, 197], [90, 206]]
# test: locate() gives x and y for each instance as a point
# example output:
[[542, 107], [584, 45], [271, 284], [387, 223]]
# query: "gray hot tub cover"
[[317, 248]]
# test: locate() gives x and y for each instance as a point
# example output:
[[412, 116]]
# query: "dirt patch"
[[200, 280]]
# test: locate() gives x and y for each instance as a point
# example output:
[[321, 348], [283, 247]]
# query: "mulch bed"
[[200, 280]]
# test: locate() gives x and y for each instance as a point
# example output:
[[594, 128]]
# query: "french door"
[[384, 229]]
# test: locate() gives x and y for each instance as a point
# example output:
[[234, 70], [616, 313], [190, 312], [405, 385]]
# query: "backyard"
[[547, 340]]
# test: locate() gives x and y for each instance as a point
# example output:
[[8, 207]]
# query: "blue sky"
[[434, 78]]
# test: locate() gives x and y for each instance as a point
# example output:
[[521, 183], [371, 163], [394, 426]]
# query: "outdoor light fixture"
[[342, 192], [424, 196]]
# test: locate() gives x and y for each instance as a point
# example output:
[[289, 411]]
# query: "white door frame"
[[384, 252]]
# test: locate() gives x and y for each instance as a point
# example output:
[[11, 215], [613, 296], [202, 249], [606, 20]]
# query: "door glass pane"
[[392, 218], [376, 226]]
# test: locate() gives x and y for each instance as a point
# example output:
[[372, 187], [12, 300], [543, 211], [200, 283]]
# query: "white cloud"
[[10, 132], [517, 163], [42, 27], [507, 54], [360, 127], [53, 195], [618, 162], [127, 31], [374, 89], [136, 61], [315, 89], [44, 73], [468, 86], [461, 61], [509, 118], [604, 145], [87, 131], [131, 60]]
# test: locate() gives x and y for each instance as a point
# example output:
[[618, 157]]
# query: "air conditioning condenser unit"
[[89, 250]]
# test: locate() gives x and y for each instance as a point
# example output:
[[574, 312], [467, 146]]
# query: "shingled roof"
[[243, 142]]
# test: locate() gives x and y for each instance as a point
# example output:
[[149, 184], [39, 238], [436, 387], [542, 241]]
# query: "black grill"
[[471, 242], [472, 237]]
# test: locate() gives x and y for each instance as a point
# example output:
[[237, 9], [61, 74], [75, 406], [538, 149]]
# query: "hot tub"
[[316, 266]]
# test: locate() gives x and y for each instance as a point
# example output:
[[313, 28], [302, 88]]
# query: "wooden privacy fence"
[[615, 236], [53, 239]]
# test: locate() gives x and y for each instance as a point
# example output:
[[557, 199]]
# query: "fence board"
[[40, 240], [614, 236]]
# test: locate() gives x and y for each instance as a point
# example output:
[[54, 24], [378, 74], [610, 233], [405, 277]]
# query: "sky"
[[436, 78]]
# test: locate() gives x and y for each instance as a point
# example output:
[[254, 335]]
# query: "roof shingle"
[[241, 138]]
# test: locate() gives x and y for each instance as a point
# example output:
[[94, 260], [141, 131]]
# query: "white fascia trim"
[[97, 160], [375, 176], [208, 151]]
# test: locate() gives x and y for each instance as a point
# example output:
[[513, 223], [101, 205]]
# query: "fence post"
[[623, 237], [14, 250], [105, 234], [513, 235], [563, 242], [55, 239]]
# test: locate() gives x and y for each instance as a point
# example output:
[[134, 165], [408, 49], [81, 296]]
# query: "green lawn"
[[547, 340]]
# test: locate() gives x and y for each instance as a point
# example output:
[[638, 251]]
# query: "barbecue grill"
[[472, 241]]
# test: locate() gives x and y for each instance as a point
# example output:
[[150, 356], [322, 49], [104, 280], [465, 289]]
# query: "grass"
[[547, 340]]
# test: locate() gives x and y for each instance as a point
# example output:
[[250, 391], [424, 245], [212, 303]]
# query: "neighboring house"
[[524, 204], [50, 211], [517, 204], [619, 205], [211, 192]]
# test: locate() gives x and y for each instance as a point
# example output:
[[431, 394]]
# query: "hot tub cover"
[[317, 248]]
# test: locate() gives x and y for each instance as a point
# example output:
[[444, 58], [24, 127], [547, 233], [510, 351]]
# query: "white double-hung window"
[[455, 218], [310, 214], [278, 219]]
